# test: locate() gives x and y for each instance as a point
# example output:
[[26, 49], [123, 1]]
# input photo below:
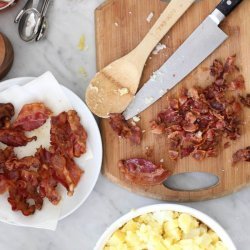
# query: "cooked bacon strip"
[[67, 134], [6, 154], [245, 100], [14, 138], [7, 111], [48, 182], [124, 129], [241, 155], [24, 163], [196, 121], [48, 185], [20, 196], [79, 135], [32, 116], [75, 171], [143, 172], [62, 174]]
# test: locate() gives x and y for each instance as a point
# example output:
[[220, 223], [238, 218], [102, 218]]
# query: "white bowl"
[[7, 5], [212, 224]]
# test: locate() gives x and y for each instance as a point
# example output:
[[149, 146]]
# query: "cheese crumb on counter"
[[82, 43], [123, 91]]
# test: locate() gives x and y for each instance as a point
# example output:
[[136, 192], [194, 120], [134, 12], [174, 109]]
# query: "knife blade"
[[198, 46]]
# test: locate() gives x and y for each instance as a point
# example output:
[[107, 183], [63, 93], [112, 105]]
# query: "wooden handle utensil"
[[113, 88]]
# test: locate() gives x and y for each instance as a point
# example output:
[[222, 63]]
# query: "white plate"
[[212, 224], [91, 167]]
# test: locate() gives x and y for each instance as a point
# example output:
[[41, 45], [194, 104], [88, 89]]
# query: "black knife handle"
[[227, 6]]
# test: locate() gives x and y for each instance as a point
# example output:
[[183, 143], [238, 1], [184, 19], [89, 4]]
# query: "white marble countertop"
[[69, 20]]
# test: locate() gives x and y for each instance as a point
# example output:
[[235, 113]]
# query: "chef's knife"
[[198, 46]]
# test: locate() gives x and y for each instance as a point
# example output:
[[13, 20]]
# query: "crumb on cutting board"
[[159, 47], [150, 16]]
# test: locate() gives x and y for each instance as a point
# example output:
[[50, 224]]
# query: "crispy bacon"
[[143, 172], [78, 134], [24, 197], [32, 116], [48, 185], [125, 130], [61, 173], [237, 84], [24, 163], [67, 134], [75, 171], [7, 111], [245, 100], [6, 154], [14, 138], [241, 155], [196, 121], [30, 179]]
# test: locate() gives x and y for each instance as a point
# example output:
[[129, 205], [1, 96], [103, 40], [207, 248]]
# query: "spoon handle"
[[43, 13], [174, 10]]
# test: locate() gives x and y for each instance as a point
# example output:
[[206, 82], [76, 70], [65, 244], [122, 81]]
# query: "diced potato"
[[117, 238], [130, 226], [164, 230]]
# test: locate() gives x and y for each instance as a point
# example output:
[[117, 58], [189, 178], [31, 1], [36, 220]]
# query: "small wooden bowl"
[[6, 55]]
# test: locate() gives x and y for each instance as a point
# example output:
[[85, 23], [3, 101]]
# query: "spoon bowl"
[[27, 28]]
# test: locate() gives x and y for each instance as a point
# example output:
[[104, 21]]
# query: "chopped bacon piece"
[[6, 112], [67, 134], [124, 129], [229, 66], [241, 155], [199, 155], [157, 129], [32, 116], [143, 172], [14, 138], [199, 118], [24, 163], [245, 100], [217, 69], [173, 155], [237, 84]]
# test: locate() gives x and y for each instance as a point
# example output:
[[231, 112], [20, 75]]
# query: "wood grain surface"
[[6, 55], [120, 26]]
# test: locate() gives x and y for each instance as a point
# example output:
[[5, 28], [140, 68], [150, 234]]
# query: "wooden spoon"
[[6, 55], [113, 88]]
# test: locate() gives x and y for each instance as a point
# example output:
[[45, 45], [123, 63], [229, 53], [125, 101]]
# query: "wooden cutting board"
[[120, 26], [6, 55]]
